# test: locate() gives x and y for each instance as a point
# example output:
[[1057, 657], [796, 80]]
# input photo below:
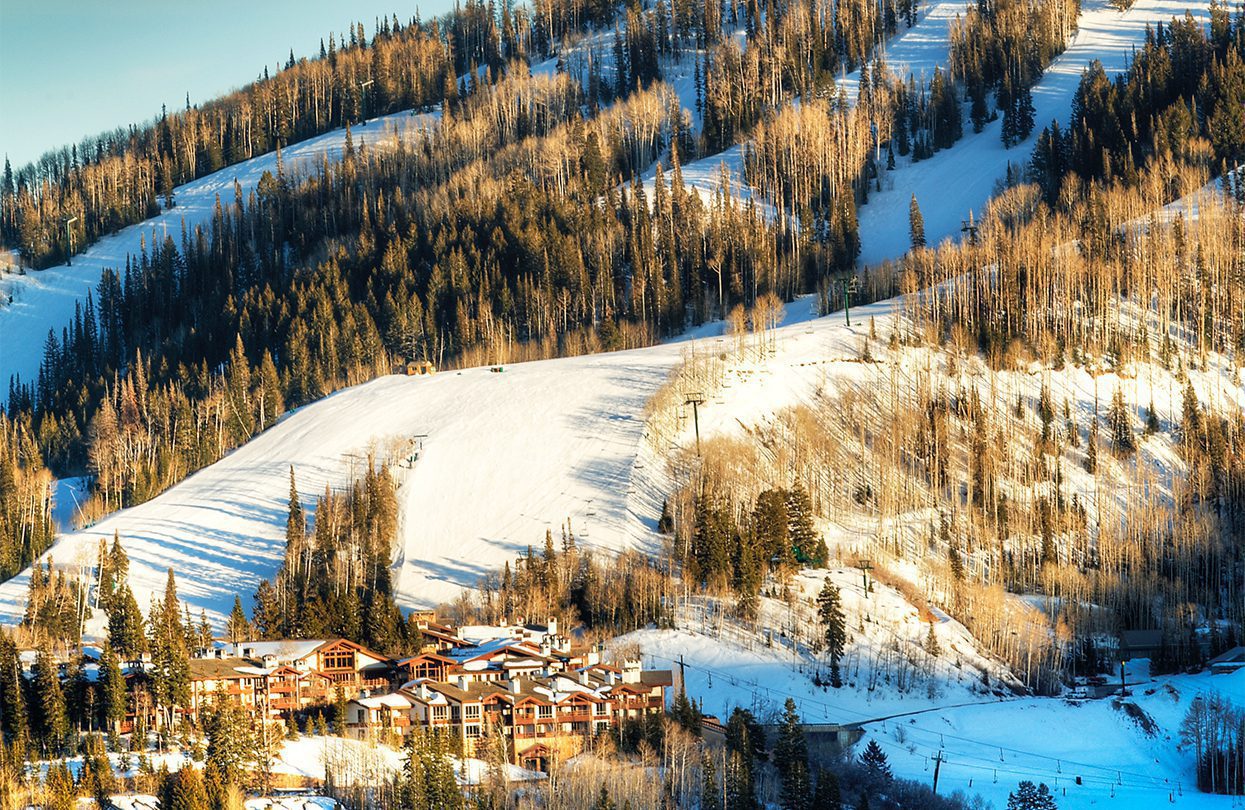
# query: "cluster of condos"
[[523, 681]]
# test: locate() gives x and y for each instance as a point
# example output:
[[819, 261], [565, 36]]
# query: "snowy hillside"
[[962, 179], [44, 299], [888, 666], [920, 706], [506, 456]]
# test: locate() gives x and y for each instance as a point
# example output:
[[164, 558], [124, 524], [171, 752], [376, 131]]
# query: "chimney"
[[461, 682], [515, 685], [613, 677], [583, 677], [552, 627], [423, 692]]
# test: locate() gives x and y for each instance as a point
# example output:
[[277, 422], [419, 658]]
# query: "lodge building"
[[524, 682]]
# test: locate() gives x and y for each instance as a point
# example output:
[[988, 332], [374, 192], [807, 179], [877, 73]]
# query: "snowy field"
[[987, 749], [44, 299]]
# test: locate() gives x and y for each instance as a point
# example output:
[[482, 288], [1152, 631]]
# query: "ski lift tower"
[[848, 286], [415, 448], [363, 91], [865, 566], [695, 399], [69, 241]]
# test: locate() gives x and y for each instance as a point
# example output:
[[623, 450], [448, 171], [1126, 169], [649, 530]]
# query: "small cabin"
[[416, 368]]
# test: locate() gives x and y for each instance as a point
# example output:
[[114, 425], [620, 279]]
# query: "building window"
[[471, 711], [438, 712], [338, 659], [473, 731], [546, 711]]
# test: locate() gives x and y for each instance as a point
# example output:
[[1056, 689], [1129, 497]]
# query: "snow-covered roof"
[[282, 650], [392, 701]]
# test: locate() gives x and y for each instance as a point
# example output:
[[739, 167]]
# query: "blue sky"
[[73, 68]]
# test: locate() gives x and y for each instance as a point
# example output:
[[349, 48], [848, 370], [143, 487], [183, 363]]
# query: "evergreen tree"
[[185, 790], [230, 735], [828, 795], [916, 225], [428, 780], [125, 625], [834, 624], [874, 760], [14, 721], [48, 718], [710, 790], [238, 628], [1029, 796], [807, 543], [170, 653], [1091, 449], [683, 712], [1121, 423], [665, 523], [112, 691], [791, 760], [59, 790]]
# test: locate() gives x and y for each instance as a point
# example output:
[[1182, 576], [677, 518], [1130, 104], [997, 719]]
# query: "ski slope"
[[961, 179], [507, 455], [915, 52], [44, 299]]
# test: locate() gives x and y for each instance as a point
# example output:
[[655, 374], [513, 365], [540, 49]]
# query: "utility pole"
[[69, 241], [695, 399], [363, 89], [938, 760]]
